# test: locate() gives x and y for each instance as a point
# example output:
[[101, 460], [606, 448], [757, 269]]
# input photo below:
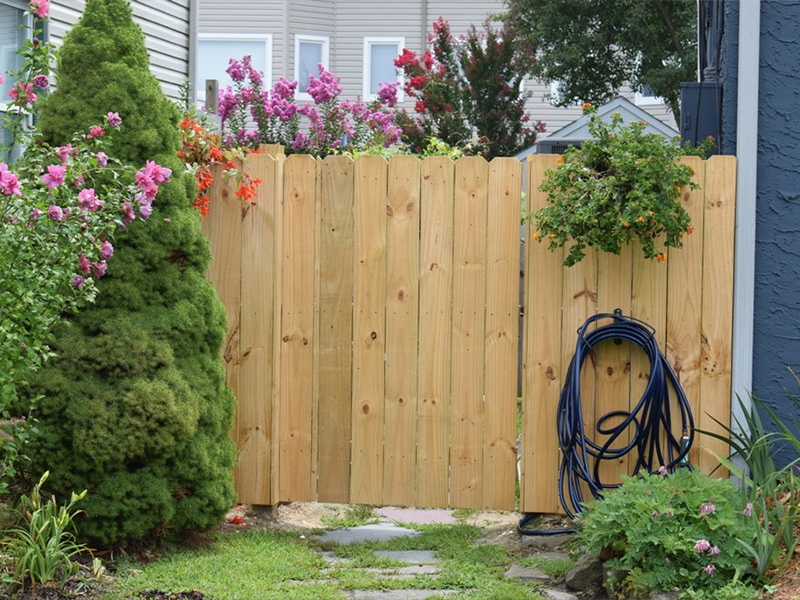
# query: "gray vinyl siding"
[[315, 18], [165, 24], [249, 17]]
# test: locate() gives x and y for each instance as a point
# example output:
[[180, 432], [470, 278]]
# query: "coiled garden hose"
[[649, 422]]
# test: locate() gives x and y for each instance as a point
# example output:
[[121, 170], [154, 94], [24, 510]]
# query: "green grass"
[[354, 516], [554, 568], [271, 564]]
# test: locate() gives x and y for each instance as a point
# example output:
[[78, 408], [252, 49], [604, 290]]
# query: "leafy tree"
[[593, 47], [135, 409], [466, 85]]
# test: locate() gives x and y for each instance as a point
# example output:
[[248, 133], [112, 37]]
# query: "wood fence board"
[[335, 328], [685, 298], [469, 314], [435, 314], [254, 406], [224, 229], [277, 341], [543, 355], [502, 333], [612, 373], [297, 327], [402, 313], [369, 329], [717, 308], [648, 303]]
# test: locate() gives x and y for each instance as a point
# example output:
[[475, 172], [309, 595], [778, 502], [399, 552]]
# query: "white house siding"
[[166, 27], [315, 18]]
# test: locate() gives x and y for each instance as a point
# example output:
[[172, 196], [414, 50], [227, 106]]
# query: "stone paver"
[[396, 594], [525, 574], [404, 572], [379, 532], [553, 555], [332, 559], [416, 515], [416, 557], [546, 541], [557, 595]]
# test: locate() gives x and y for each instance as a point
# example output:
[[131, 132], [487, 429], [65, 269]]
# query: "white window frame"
[[315, 39], [5, 104], [367, 66], [200, 86]]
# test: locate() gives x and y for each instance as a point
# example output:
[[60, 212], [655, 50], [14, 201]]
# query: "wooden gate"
[[373, 311]]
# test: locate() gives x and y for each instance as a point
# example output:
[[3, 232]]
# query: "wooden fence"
[[373, 314]]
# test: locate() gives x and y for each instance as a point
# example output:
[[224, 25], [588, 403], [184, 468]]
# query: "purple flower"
[[77, 281], [709, 569], [387, 94], [95, 131], [102, 158], [54, 176], [55, 212], [145, 211], [114, 119], [702, 545], [106, 250], [88, 200], [325, 88], [236, 70], [662, 470], [748, 509], [99, 268], [713, 551], [83, 264], [41, 81], [127, 213], [707, 509]]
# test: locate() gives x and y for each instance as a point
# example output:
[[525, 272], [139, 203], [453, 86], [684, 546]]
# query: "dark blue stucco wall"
[[776, 342]]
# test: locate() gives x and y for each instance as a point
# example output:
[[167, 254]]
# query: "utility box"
[[701, 109]]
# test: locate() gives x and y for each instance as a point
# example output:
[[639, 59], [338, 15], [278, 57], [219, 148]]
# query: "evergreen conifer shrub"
[[135, 409]]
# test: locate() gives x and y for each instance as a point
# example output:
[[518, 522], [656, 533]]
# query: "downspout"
[[194, 19], [745, 240], [424, 25]]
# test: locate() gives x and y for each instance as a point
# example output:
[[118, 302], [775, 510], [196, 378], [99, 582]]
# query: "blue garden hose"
[[649, 422]]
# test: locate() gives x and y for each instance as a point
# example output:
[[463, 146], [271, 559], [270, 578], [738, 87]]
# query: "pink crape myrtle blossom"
[[54, 176]]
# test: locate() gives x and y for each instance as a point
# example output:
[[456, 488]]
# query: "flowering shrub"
[[473, 83], [331, 125], [59, 210], [200, 150], [621, 185], [659, 532]]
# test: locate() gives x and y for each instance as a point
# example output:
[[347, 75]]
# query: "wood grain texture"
[[469, 314], [435, 316], [543, 354], [369, 329], [334, 360], [502, 334], [685, 298], [254, 406], [297, 326], [715, 378], [402, 313]]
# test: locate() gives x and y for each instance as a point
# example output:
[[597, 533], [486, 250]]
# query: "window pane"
[[11, 40], [309, 57], [213, 58], [382, 69]]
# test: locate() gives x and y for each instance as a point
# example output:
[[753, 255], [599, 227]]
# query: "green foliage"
[[594, 47], [471, 84], [556, 568], [42, 550], [621, 185], [661, 532], [135, 408], [354, 516]]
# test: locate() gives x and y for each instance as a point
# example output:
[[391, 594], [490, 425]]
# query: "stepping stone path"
[[424, 562]]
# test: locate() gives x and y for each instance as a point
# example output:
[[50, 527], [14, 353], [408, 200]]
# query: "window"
[[214, 52], [310, 51], [379, 57], [12, 38], [646, 96]]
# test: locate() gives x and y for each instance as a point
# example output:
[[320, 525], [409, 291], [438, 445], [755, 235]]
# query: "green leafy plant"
[[661, 532], [622, 185], [352, 516], [43, 548]]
